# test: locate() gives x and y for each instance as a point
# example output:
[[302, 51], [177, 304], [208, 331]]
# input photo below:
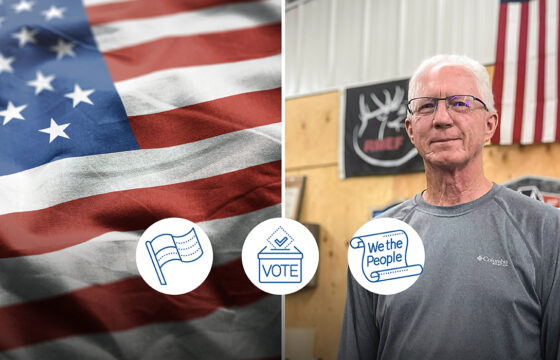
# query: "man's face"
[[449, 139]]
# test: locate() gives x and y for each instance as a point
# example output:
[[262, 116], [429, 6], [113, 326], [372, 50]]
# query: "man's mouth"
[[446, 140]]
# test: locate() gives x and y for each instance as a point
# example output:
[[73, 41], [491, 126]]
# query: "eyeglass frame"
[[443, 98]]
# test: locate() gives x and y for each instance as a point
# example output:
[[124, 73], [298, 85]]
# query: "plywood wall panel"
[[312, 131]]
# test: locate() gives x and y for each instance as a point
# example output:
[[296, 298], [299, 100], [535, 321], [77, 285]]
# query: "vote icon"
[[280, 256]]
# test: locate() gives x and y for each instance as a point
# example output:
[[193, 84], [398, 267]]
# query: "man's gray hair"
[[479, 72]]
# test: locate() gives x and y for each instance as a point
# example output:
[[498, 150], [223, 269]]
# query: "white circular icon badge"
[[174, 256], [386, 256], [280, 256]]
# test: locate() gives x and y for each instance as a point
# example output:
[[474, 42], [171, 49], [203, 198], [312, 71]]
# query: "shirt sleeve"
[[550, 324], [359, 337]]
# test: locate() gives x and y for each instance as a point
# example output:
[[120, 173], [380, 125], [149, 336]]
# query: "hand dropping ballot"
[[386, 250]]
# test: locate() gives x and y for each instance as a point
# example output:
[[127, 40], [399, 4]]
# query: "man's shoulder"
[[400, 211], [518, 204]]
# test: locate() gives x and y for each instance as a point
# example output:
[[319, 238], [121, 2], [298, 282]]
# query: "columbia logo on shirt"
[[495, 262]]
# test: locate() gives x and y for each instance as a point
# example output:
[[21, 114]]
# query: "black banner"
[[375, 139]]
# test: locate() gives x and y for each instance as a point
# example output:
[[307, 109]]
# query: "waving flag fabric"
[[526, 74], [115, 114]]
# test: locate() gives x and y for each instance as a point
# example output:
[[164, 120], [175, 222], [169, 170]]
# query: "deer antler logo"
[[390, 111], [384, 109]]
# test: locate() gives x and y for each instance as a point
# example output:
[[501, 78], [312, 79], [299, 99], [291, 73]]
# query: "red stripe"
[[100, 14], [498, 81], [74, 222], [205, 120], [558, 81], [521, 67], [230, 46], [121, 305], [537, 138]]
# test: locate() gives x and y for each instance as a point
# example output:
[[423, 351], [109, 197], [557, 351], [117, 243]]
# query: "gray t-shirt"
[[490, 287]]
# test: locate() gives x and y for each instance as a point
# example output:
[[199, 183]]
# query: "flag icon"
[[166, 247]]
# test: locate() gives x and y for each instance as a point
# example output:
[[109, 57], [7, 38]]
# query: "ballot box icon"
[[280, 256], [278, 265]]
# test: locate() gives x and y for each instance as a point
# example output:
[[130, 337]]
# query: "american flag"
[[113, 115], [526, 74]]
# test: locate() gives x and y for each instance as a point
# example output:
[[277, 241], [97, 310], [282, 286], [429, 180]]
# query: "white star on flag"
[[41, 82], [63, 48], [79, 95], [23, 5], [53, 12], [25, 35], [12, 112], [5, 64], [55, 130]]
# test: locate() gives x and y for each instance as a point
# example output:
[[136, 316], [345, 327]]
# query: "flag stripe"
[[499, 67], [557, 138], [74, 222], [104, 13], [79, 266], [521, 70], [43, 186], [235, 332], [91, 3], [193, 50], [119, 34], [530, 90], [207, 119], [549, 119], [510, 71], [101, 308], [539, 114], [170, 89]]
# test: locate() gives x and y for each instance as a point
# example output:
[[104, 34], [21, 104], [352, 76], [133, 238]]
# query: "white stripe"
[[251, 331], [174, 88], [111, 257], [551, 63], [510, 73], [531, 71], [72, 178], [103, 2], [119, 34]]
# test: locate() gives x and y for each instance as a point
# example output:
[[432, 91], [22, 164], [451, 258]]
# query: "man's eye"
[[426, 106], [457, 104]]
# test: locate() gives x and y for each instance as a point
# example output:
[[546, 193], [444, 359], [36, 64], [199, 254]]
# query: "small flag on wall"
[[526, 74]]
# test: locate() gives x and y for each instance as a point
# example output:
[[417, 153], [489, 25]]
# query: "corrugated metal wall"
[[332, 44]]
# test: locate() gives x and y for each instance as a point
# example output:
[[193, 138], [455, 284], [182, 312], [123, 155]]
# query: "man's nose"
[[442, 119]]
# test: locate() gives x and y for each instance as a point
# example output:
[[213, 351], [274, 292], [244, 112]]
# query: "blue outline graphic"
[[384, 274], [166, 247], [280, 254]]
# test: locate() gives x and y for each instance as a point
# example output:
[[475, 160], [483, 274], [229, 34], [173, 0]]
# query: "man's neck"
[[448, 187]]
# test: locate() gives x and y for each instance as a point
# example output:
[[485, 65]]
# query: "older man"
[[491, 282]]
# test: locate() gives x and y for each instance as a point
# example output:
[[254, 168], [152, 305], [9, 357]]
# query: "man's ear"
[[408, 127], [491, 125]]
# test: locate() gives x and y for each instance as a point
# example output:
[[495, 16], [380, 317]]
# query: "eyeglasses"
[[461, 104]]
